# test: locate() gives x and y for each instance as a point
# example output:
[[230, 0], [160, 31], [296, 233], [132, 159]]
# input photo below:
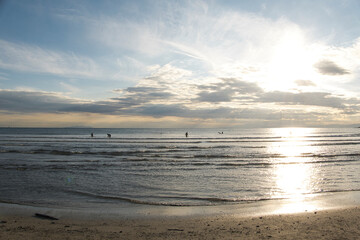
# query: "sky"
[[258, 63]]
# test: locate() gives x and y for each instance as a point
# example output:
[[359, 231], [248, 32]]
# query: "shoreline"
[[324, 216], [325, 224], [299, 204]]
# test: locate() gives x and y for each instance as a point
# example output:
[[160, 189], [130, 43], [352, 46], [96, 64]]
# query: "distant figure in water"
[[92, 135], [109, 135], [186, 134], [221, 132]]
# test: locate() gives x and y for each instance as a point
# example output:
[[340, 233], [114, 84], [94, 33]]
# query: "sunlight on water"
[[292, 145], [295, 177]]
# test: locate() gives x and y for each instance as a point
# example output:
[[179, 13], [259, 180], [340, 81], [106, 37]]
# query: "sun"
[[292, 59]]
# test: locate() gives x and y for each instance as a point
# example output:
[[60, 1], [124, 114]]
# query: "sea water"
[[66, 167]]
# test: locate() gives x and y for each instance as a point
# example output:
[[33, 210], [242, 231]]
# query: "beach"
[[158, 184], [339, 223]]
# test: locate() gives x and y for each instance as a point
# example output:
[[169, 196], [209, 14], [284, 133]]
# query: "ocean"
[[66, 167]]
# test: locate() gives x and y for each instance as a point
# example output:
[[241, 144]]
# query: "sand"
[[326, 224]]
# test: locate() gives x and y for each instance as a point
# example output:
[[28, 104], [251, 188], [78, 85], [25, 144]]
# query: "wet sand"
[[325, 224]]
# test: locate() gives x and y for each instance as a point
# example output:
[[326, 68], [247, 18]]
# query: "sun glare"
[[293, 176], [291, 146], [292, 173], [294, 181], [292, 59]]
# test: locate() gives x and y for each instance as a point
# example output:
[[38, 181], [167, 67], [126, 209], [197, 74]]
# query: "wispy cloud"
[[215, 38], [4, 76], [225, 43], [221, 43], [29, 58]]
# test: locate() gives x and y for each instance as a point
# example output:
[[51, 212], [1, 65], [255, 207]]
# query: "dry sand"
[[327, 224]]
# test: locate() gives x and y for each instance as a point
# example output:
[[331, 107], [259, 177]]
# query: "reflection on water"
[[292, 146], [295, 177]]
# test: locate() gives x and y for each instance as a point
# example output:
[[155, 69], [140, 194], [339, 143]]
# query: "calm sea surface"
[[69, 168]]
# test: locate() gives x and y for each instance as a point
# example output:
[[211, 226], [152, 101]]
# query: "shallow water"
[[69, 168]]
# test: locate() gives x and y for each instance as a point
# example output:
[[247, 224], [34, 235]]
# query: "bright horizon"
[[168, 64]]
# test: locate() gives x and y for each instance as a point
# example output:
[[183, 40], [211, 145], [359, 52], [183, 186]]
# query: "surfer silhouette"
[[186, 134]]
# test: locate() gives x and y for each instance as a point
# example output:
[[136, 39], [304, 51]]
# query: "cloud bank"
[[217, 101]]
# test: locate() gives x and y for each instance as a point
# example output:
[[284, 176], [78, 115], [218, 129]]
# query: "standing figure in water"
[[92, 134], [186, 134]]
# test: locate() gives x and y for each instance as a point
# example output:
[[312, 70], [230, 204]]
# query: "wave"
[[282, 163], [337, 144], [168, 200], [175, 153], [189, 145], [171, 201], [87, 137], [77, 152], [192, 200]]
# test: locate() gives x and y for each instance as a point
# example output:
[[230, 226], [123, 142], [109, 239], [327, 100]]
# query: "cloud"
[[160, 110], [305, 83], [145, 102], [168, 73], [191, 31], [306, 98], [240, 86], [27, 101], [29, 58], [104, 107], [134, 96], [208, 40], [48, 102], [327, 67], [199, 63], [226, 90], [216, 96], [165, 85]]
